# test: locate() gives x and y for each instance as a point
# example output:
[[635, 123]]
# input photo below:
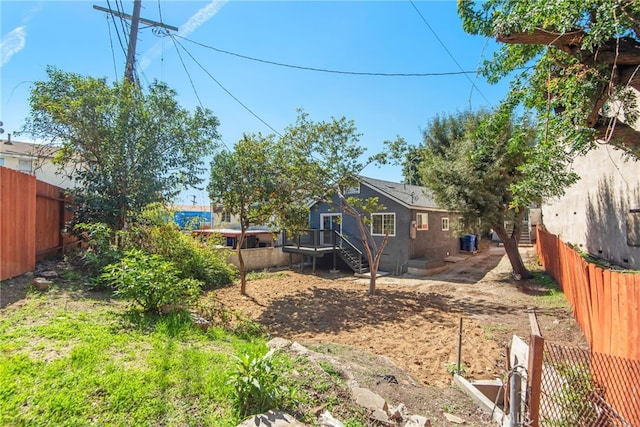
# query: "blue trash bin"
[[469, 243]]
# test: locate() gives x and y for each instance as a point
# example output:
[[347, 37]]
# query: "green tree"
[[576, 62], [249, 182], [475, 161], [327, 160], [125, 147], [274, 179]]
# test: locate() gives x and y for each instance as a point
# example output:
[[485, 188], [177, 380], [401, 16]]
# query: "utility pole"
[[129, 72], [133, 38]]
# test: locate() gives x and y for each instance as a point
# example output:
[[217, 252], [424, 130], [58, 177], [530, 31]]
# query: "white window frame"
[[445, 223], [225, 216], [1, 161], [422, 224], [22, 165], [383, 215]]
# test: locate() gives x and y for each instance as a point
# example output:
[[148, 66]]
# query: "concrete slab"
[[455, 258]]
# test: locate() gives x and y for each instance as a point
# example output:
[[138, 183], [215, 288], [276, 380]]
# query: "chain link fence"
[[583, 389]]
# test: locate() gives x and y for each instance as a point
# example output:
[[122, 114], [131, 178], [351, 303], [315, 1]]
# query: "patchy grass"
[[92, 362], [79, 358], [554, 296]]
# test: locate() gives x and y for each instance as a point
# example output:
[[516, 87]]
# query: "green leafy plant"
[[196, 259], [210, 308], [255, 385], [150, 280], [100, 251], [574, 396], [452, 368]]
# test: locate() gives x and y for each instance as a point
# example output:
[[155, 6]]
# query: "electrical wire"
[[113, 53], [448, 51], [113, 18], [224, 88], [186, 70], [325, 70]]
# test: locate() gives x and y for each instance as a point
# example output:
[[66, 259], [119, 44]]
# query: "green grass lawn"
[[70, 359]]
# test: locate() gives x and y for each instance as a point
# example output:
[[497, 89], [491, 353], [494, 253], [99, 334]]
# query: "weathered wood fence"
[[606, 305], [32, 217]]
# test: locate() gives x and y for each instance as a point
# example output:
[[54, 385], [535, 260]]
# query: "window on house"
[[225, 216], [24, 166], [1, 161], [445, 224], [383, 223], [422, 220]]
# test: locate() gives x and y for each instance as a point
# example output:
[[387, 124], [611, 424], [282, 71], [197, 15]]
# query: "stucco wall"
[[263, 258], [594, 212]]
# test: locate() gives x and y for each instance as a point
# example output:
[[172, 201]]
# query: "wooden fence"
[[32, 217], [606, 305]]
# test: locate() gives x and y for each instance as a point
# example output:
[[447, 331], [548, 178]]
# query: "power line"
[[224, 88], [116, 28], [188, 74], [113, 53], [325, 70], [448, 51]]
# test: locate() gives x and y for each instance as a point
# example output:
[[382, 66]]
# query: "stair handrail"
[[341, 238]]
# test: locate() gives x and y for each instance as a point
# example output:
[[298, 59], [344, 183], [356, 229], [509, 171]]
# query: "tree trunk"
[[511, 248], [243, 273]]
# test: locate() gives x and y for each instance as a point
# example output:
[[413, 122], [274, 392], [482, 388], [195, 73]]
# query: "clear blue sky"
[[360, 36]]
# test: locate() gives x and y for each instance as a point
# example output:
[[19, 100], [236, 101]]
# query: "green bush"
[[150, 280], [255, 385], [100, 248], [196, 259]]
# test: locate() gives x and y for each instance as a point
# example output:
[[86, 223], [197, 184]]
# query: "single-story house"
[[421, 234]]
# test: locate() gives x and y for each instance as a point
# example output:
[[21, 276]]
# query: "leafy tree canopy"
[[576, 60], [488, 165], [125, 147], [276, 179]]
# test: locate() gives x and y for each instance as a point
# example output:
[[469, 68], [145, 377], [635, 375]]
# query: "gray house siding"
[[434, 244], [431, 244]]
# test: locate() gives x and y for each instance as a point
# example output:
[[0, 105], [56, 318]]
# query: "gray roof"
[[412, 196]]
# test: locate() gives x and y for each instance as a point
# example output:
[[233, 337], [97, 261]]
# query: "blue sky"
[[360, 36]]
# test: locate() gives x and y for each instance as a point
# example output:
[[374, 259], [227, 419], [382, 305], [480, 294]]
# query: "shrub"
[[150, 280], [195, 258], [215, 312], [100, 248], [255, 385]]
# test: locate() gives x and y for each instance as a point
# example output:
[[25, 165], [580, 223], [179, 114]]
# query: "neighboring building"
[[421, 233], [600, 214], [34, 159], [192, 217], [222, 217]]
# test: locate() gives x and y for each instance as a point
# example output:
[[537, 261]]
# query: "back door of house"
[[328, 224]]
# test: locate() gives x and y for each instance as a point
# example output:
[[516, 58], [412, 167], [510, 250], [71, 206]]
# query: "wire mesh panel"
[[579, 389]]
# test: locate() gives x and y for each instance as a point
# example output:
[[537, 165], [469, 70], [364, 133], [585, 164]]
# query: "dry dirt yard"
[[410, 327]]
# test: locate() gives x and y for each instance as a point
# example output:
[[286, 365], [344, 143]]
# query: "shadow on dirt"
[[332, 310]]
